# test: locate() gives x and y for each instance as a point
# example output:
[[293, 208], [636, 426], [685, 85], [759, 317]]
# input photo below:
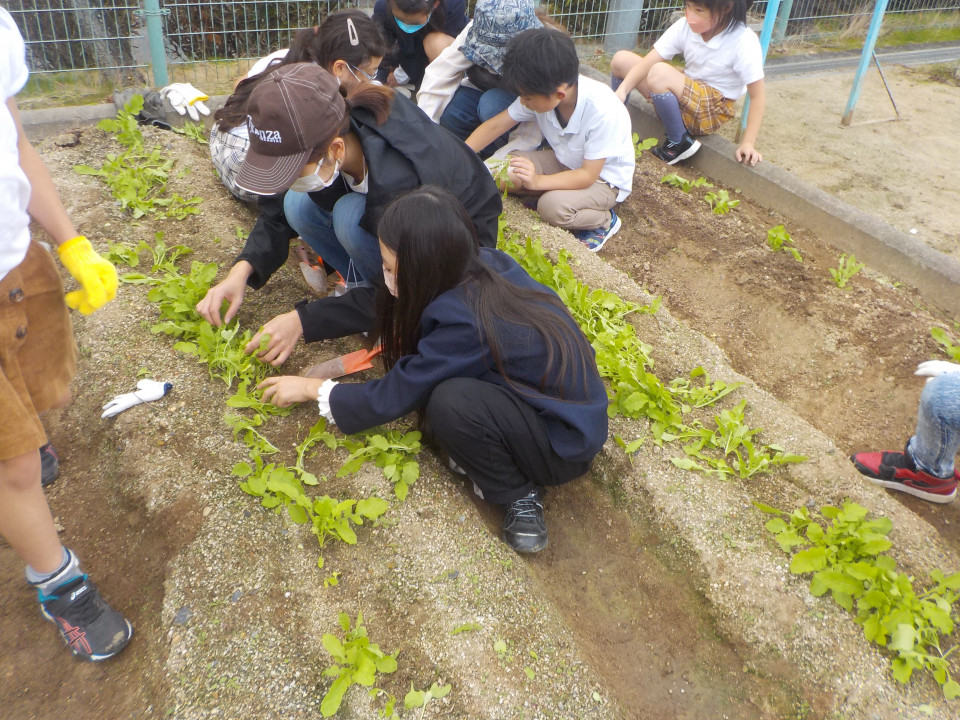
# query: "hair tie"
[[352, 33]]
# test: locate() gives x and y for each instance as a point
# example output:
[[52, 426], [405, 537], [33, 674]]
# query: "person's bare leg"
[[435, 43], [25, 519], [664, 78]]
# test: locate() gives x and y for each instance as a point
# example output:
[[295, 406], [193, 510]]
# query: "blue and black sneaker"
[[596, 238], [88, 625]]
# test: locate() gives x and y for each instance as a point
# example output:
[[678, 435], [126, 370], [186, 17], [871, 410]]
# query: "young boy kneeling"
[[590, 166]]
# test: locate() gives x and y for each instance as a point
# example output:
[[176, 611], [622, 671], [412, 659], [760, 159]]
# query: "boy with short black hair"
[[590, 165]]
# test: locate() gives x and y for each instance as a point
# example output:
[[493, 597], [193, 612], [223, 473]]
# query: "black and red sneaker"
[[88, 625], [49, 465], [897, 471]]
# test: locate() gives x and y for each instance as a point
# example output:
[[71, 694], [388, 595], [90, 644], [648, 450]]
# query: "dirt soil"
[[616, 610]]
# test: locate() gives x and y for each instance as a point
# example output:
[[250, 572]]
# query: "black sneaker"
[[523, 528], [92, 629], [49, 465], [672, 153]]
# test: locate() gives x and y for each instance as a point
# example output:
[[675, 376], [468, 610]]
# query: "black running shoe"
[[524, 528], [92, 629], [49, 465], [672, 153]]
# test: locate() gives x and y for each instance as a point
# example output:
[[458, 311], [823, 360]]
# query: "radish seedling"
[[847, 267], [779, 239], [720, 202]]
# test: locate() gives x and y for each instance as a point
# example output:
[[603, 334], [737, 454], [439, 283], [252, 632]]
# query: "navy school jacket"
[[452, 346]]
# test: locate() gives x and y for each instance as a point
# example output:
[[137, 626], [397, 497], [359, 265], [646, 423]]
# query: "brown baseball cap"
[[294, 110]]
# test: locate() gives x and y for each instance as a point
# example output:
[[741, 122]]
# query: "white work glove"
[[185, 98], [931, 368], [147, 391]]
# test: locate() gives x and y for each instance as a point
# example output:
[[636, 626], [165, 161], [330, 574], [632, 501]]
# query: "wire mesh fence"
[[212, 42]]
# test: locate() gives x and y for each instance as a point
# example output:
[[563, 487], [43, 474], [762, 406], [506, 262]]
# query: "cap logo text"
[[269, 136]]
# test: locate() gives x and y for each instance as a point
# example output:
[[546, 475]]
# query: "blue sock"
[[615, 82], [668, 110]]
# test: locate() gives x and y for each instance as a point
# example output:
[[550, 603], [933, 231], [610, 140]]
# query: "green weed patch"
[[843, 551]]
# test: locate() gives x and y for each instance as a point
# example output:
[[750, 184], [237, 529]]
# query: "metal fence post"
[[769, 18], [783, 19], [158, 55], [875, 22], [623, 22]]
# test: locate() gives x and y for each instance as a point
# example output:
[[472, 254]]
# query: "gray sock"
[[46, 582], [668, 110]]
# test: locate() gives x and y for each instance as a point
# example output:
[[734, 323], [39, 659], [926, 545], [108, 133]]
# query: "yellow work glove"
[[97, 276]]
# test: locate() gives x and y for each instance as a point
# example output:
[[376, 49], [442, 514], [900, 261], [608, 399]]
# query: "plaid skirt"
[[227, 150], [38, 356], [704, 108]]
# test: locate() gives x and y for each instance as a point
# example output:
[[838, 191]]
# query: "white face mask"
[[313, 182], [390, 280]]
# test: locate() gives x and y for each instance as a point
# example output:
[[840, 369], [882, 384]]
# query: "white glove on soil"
[[931, 368], [185, 98], [147, 391]]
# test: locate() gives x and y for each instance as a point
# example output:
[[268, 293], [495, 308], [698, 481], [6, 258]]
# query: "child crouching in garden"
[[590, 165], [502, 375], [722, 60]]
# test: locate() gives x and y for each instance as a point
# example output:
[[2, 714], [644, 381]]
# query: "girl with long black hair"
[[501, 375]]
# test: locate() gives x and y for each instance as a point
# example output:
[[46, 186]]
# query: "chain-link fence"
[[212, 42]]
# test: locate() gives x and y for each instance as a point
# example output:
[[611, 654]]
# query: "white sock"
[[46, 582]]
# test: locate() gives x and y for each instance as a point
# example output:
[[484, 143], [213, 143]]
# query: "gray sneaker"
[[88, 625]]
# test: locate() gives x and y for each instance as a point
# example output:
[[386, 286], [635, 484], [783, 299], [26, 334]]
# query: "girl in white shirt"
[[722, 59]]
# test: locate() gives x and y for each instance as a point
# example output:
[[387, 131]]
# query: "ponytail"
[[375, 98]]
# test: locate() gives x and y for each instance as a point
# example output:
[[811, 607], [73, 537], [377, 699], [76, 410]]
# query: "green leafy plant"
[[950, 347], [720, 202], [847, 267], [421, 698], [393, 451], [674, 180], [640, 145], [357, 662], [137, 178], [779, 239], [844, 550], [194, 131]]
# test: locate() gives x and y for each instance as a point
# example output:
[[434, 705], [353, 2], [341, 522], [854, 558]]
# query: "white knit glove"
[[185, 98], [931, 368], [147, 391]]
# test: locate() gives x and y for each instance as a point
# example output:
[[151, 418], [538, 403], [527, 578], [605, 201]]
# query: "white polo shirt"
[[599, 128], [14, 186], [728, 63]]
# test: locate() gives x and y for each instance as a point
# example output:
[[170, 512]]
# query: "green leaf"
[[334, 647], [808, 561], [372, 507], [466, 627], [386, 664], [414, 698], [904, 638], [366, 671], [242, 469], [951, 689], [530, 673], [334, 697]]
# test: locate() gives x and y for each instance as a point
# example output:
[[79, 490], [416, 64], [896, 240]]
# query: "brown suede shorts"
[[38, 355], [704, 108]]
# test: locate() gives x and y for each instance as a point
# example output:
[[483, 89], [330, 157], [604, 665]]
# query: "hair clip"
[[352, 32]]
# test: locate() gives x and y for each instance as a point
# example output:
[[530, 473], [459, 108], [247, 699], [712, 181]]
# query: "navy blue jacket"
[[452, 345], [450, 17]]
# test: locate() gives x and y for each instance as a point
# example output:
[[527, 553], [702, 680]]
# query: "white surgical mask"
[[390, 280], [313, 182]]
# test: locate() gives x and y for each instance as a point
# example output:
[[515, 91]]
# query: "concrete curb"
[[849, 229]]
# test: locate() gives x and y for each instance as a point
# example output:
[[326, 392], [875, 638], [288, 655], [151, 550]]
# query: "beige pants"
[[571, 209]]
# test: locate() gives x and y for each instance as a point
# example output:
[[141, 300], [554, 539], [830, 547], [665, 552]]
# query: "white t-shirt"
[[263, 63], [728, 63], [599, 128], [14, 186]]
